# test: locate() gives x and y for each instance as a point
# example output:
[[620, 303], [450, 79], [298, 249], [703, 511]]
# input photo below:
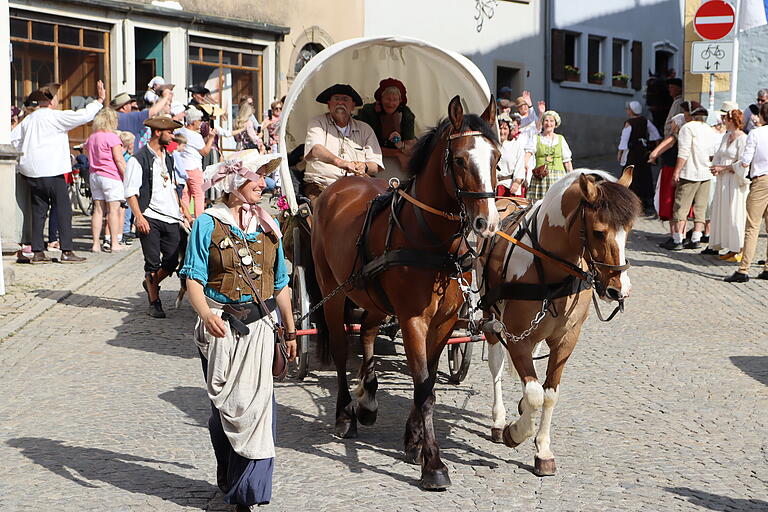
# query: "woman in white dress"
[[729, 210], [510, 172]]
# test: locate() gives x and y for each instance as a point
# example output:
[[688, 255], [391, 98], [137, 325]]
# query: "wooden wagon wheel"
[[301, 306]]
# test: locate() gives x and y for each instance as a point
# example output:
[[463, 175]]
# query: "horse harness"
[[578, 280], [438, 256]]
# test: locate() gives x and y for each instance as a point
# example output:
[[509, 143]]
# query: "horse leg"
[[559, 352], [533, 396], [346, 422], [499, 412], [423, 358], [367, 406]]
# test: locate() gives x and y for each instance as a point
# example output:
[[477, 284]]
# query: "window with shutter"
[[637, 65]]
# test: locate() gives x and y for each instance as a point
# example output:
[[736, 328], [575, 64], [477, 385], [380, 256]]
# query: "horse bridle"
[[591, 262], [448, 165]]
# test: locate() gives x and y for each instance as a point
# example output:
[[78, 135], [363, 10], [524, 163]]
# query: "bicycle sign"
[[712, 57]]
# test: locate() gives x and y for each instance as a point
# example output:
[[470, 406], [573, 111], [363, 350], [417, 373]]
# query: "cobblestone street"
[[664, 408]]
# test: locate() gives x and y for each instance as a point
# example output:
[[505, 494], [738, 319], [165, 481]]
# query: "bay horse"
[[581, 227], [422, 241]]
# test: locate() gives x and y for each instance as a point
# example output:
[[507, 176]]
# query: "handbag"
[[280, 357], [541, 171]]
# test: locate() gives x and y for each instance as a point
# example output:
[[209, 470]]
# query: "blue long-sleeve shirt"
[[196, 258]]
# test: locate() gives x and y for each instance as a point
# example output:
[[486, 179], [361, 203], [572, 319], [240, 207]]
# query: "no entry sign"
[[714, 19]]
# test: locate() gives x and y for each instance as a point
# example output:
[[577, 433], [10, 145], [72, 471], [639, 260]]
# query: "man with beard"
[[150, 190], [337, 145]]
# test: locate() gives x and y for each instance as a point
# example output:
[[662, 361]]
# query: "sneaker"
[[763, 275], [156, 309], [737, 277], [705, 239], [71, 257], [670, 245], [39, 257], [710, 251], [692, 245]]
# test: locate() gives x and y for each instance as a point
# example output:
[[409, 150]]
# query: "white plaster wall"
[[512, 36], [753, 68]]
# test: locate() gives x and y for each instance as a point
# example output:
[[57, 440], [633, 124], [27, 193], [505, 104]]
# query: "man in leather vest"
[[150, 190]]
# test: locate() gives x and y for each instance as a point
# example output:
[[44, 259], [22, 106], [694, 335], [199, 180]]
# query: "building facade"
[[504, 40], [233, 48], [601, 55]]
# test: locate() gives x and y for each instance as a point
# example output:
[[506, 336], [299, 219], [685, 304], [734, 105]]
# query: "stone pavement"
[[36, 288], [664, 408]]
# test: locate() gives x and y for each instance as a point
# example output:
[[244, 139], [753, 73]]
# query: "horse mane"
[[617, 205], [425, 146]]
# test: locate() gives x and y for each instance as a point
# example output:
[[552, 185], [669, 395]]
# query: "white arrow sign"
[[712, 57]]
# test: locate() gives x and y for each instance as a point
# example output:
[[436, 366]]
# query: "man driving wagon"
[[338, 145]]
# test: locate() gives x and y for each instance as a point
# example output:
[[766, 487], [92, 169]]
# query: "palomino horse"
[[421, 232], [580, 226]]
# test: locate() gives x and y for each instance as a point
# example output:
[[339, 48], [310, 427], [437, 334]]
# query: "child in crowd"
[[178, 164], [128, 139]]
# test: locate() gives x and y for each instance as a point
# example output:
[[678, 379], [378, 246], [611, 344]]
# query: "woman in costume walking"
[[552, 157], [235, 264]]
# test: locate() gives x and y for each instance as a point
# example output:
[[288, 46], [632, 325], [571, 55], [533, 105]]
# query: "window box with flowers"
[[597, 78], [620, 80], [572, 73]]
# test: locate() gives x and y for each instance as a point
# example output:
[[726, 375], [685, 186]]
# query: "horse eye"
[[458, 162], [600, 235]]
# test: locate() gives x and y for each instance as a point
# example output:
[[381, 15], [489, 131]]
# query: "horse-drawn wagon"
[[432, 76]]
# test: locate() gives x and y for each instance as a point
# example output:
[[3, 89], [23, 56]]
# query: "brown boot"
[[71, 257], [40, 257]]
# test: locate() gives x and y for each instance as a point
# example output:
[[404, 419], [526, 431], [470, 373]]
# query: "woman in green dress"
[[552, 157]]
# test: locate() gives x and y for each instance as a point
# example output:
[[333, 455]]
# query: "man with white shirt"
[[337, 144], [695, 148], [42, 138], [755, 156], [151, 194]]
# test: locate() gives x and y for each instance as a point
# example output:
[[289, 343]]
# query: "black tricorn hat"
[[347, 89], [198, 89]]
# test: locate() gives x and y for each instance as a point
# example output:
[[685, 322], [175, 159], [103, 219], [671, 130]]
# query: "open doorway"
[[149, 57], [508, 82]]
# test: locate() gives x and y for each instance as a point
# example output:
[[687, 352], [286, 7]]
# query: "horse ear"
[[456, 113], [489, 115], [588, 188], [626, 176]]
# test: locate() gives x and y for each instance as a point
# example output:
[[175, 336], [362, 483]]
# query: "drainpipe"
[[547, 51]]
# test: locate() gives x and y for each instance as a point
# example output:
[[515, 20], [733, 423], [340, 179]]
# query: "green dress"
[[553, 157], [368, 114]]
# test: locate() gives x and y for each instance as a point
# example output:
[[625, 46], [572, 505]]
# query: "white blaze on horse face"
[[621, 241], [480, 155]]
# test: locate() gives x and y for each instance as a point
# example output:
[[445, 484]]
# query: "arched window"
[[308, 51]]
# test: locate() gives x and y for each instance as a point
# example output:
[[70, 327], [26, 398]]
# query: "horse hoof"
[[497, 435], [413, 455], [507, 438], [345, 429], [366, 417], [437, 480], [543, 467]]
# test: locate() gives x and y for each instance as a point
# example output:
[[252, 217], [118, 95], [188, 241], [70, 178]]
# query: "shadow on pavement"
[[170, 336], [716, 501], [90, 301], [754, 366], [193, 401], [124, 471]]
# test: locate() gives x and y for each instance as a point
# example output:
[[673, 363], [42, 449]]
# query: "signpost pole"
[[711, 92], [735, 72]]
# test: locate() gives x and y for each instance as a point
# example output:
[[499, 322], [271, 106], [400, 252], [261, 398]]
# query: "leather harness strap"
[[541, 255], [426, 207]]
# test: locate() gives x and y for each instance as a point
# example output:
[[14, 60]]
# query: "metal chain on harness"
[[328, 297], [537, 319]]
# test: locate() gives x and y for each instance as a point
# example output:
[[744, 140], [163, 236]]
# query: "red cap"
[[391, 82]]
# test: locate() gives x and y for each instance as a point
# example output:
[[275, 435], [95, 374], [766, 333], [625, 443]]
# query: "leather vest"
[[146, 158], [226, 268]]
